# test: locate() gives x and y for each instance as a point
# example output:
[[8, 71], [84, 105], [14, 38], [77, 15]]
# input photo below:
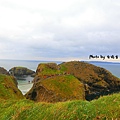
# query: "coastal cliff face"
[[95, 81], [21, 71]]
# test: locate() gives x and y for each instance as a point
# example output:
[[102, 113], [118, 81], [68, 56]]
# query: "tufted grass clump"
[[105, 108]]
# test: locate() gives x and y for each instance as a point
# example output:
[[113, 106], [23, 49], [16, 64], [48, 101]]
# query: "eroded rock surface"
[[3, 71]]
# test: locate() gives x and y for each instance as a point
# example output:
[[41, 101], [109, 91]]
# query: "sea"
[[25, 86]]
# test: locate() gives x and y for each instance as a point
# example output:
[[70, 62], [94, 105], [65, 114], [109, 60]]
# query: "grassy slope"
[[58, 88], [105, 108], [66, 86], [63, 84], [8, 89]]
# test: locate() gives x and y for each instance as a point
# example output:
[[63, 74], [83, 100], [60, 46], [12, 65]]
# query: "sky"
[[59, 29]]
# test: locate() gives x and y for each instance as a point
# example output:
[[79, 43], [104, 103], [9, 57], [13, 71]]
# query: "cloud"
[[58, 29]]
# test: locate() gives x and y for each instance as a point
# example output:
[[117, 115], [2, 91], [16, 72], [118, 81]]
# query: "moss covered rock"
[[46, 70], [56, 89]]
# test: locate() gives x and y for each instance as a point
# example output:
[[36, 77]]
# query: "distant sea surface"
[[30, 64], [24, 86]]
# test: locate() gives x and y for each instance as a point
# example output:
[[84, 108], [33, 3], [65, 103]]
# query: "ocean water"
[[25, 86], [31, 64]]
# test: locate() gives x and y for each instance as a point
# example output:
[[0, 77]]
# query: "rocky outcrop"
[[57, 89], [97, 81], [3, 71], [21, 71], [46, 70]]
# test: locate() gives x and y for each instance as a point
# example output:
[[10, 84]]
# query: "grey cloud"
[[82, 28]]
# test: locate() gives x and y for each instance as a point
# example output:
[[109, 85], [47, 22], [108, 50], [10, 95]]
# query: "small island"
[[21, 71]]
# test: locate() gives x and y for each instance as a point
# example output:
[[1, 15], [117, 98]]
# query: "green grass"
[[108, 106], [105, 108], [57, 89], [63, 68], [46, 70], [8, 89], [66, 85]]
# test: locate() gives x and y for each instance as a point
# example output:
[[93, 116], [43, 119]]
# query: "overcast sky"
[[59, 29]]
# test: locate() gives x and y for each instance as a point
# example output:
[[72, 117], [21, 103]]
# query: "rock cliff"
[[95, 81]]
